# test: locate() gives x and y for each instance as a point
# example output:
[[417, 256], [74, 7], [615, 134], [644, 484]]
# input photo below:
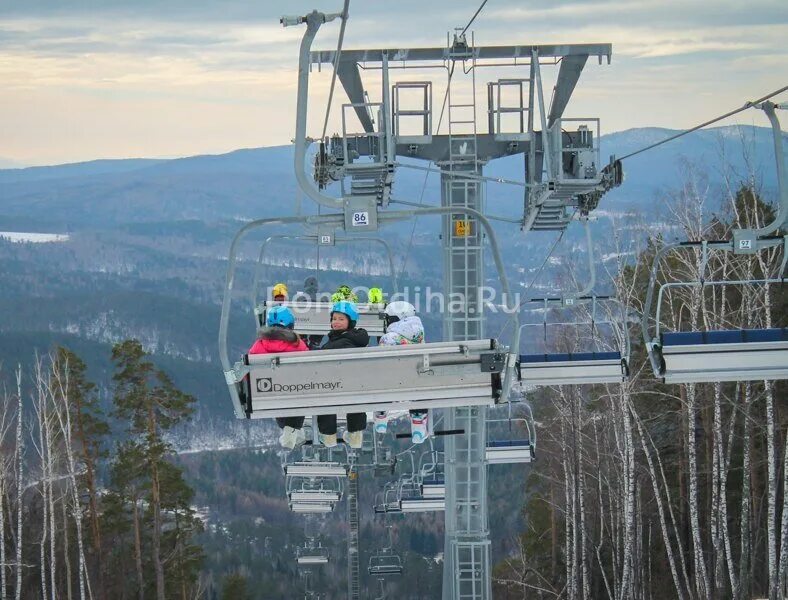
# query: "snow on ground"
[[34, 238]]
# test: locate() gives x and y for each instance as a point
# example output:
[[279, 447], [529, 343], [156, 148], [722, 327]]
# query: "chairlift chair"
[[506, 448], [387, 501], [431, 476], [310, 555], [725, 355], [714, 355], [411, 498], [313, 489], [385, 561], [593, 366], [418, 376]]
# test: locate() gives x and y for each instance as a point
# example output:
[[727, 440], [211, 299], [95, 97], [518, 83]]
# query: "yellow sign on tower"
[[462, 228]]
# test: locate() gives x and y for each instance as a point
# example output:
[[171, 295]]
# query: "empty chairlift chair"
[[385, 561], [726, 355], [312, 507], [312, 555], [324, 490], [602, 360], [506, 444], [387, 500], [712, 355]]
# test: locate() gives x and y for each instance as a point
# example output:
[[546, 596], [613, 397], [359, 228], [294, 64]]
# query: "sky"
[[90, 79]]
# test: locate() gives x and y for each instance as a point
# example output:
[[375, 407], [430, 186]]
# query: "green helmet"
[[344, 293], [375, 296]]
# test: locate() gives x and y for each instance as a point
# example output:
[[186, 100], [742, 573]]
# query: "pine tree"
[[147, 398]]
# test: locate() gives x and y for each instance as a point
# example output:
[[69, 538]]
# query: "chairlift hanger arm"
[[584, 294], [782, 178], [313, 22]]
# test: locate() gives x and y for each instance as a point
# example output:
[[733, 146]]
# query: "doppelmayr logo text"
[[265, 385]]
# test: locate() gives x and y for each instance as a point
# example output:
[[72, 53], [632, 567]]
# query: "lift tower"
[[562, 176]]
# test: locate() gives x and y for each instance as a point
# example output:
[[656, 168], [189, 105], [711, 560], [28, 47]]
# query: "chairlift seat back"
[[433, 490], [509, 452], [313, 318], [733, 355], [433, 375], [314, 496], [572, 368], [422, 504]]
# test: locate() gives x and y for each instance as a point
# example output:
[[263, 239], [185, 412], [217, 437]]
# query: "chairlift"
[[714, 355], [385, 561], [725, 355], [311, 555], [507, 447], [411, 497], [433, 375], [387, 500], [592, 366], [431, 476], [594, 363], [313, 489]]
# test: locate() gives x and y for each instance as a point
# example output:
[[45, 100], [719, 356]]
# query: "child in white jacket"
[[404, 327]]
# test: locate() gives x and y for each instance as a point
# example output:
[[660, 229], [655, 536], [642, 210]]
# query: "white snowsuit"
[[409, 330]]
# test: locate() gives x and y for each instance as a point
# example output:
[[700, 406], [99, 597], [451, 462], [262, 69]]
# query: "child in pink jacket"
[[278, 336]]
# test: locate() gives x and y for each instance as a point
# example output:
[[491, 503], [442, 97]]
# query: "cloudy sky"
[[86, 79]]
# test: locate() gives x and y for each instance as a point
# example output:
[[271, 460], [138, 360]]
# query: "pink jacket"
[[277, 340]]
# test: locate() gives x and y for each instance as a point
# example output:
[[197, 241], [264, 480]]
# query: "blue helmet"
[[280, 316], [347, 308]]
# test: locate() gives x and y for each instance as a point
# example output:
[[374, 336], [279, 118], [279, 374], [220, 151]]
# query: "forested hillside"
[[643, 490]]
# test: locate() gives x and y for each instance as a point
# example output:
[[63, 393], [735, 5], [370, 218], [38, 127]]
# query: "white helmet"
[[401, 310]]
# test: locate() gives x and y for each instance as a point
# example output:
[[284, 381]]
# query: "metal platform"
[[739, 355]]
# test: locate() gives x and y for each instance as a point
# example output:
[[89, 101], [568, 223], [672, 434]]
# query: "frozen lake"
[[35, 238]]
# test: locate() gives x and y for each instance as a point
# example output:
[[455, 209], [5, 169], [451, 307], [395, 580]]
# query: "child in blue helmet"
[[278, 336], [344, 334]]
